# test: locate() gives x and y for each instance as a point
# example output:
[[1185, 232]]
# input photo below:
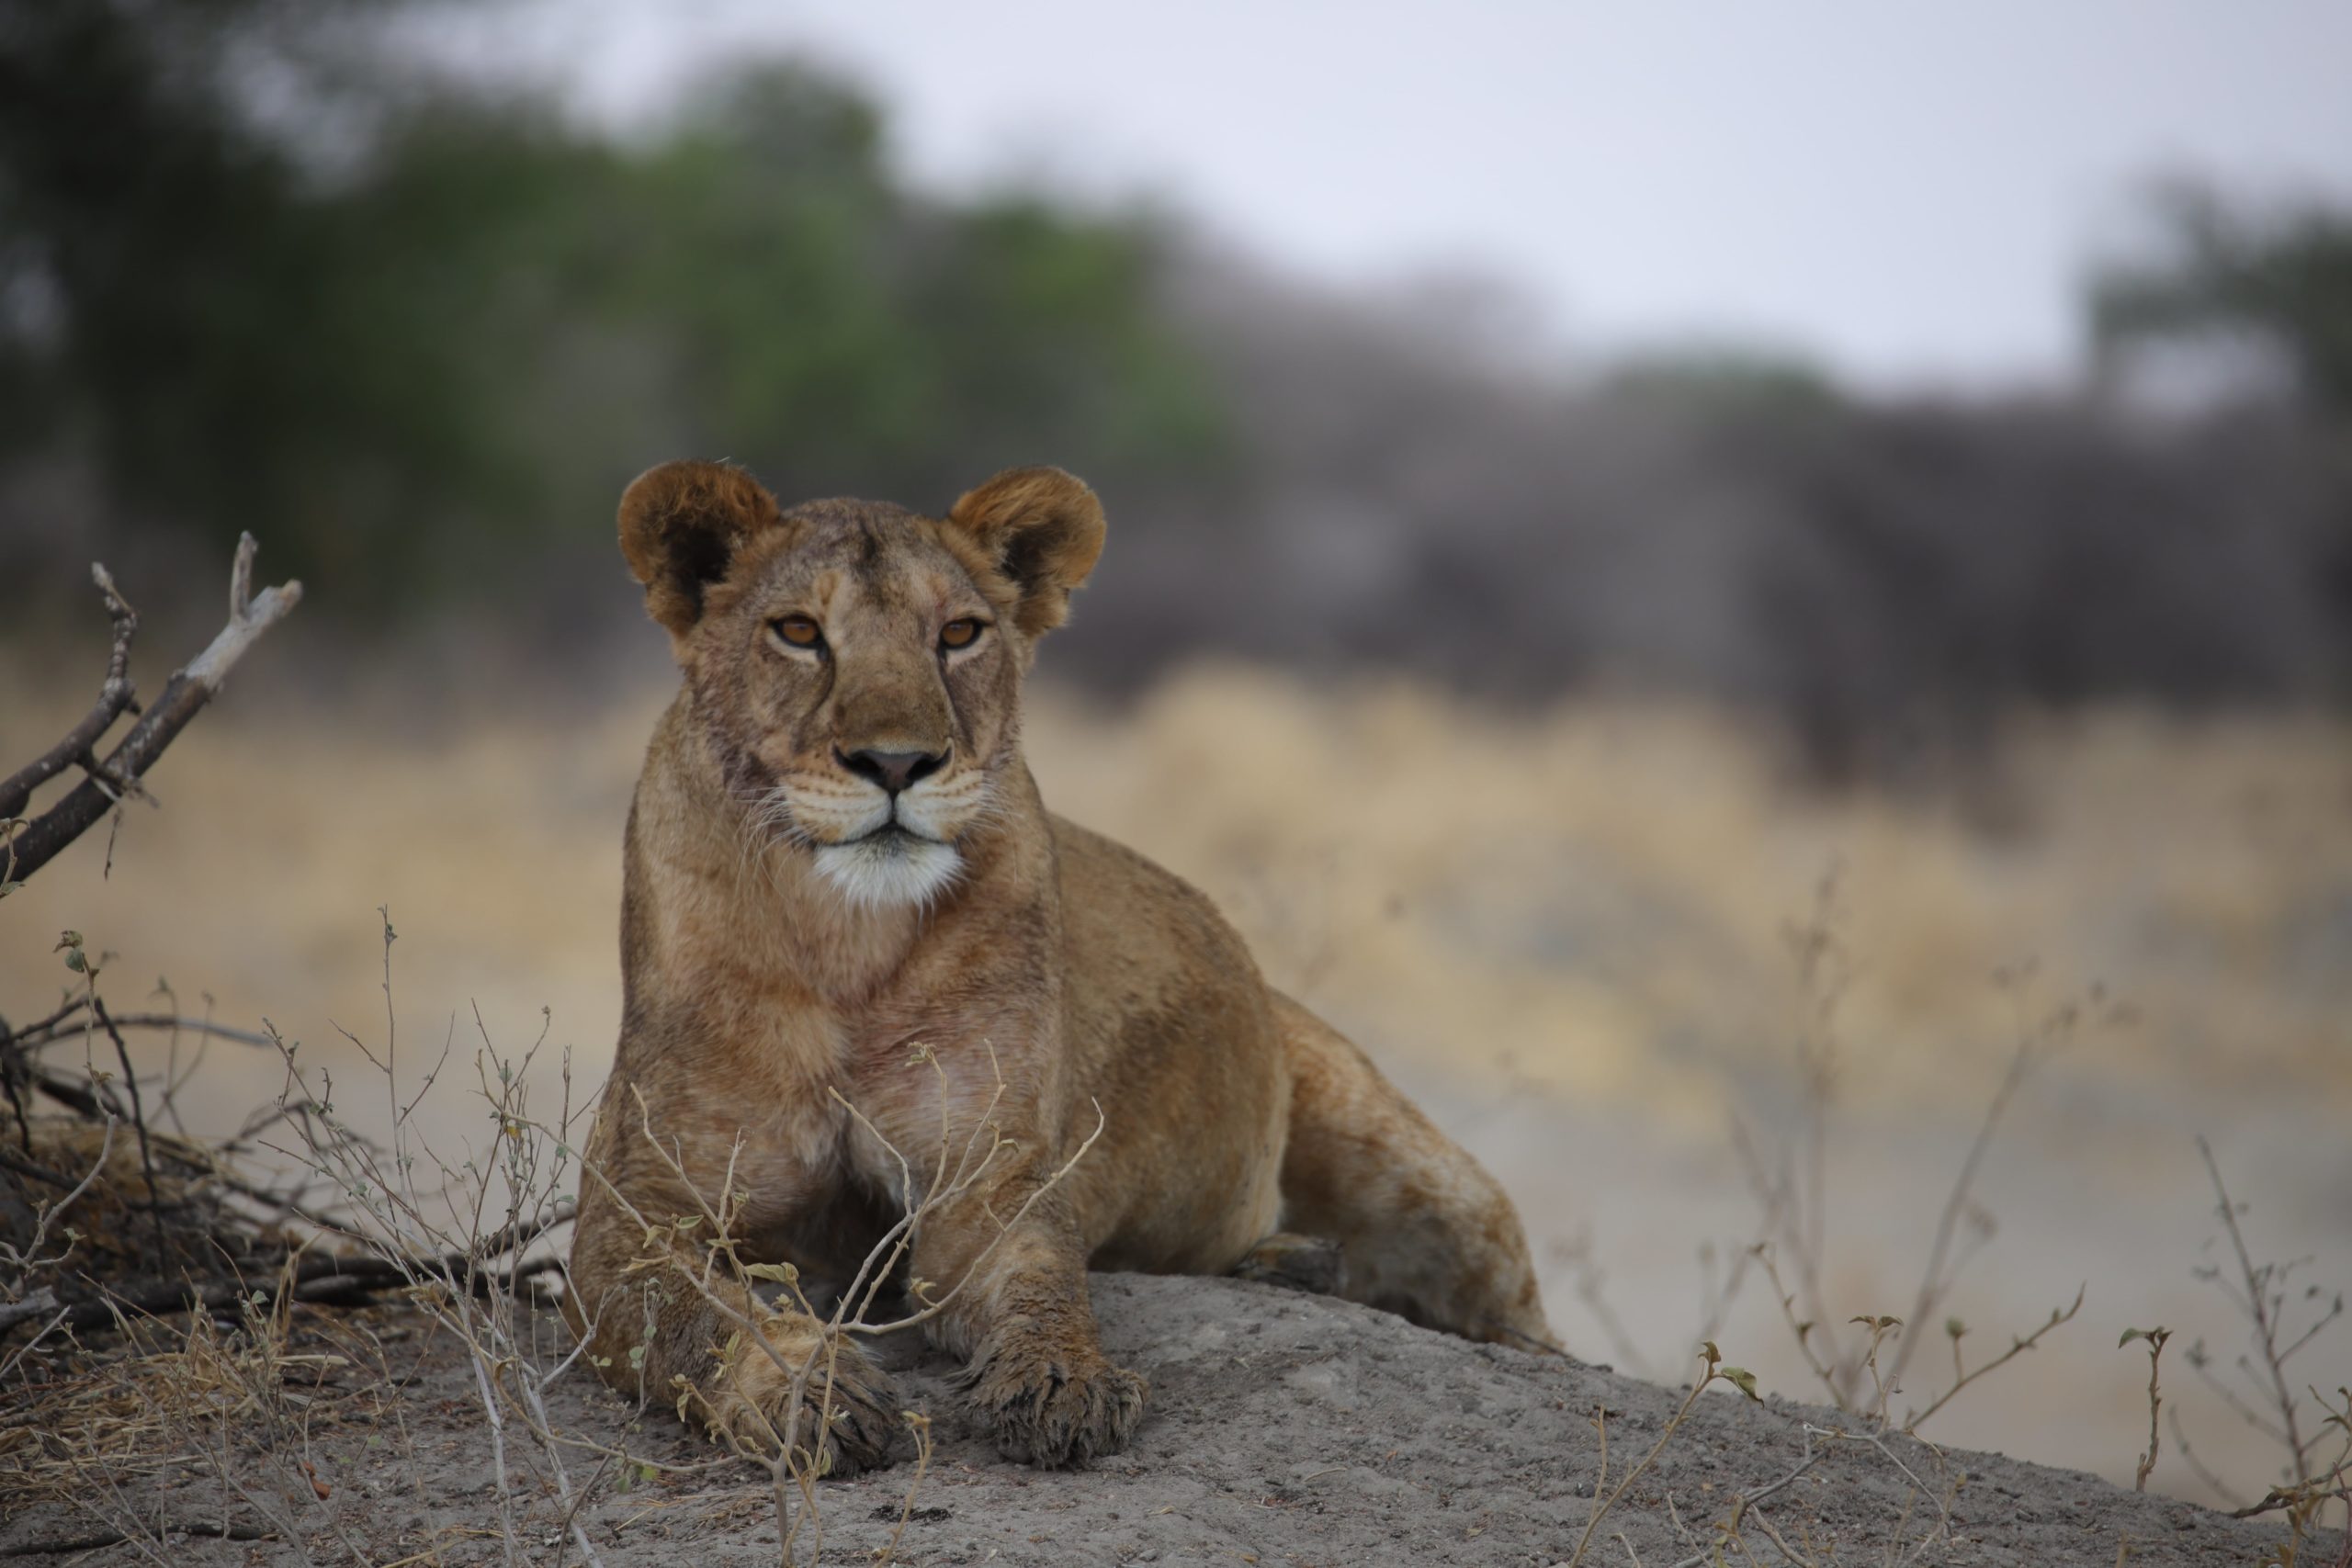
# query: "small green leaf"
[[1744, 1380]]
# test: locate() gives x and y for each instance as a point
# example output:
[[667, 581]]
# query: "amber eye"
[[959, 633], [799, 631]]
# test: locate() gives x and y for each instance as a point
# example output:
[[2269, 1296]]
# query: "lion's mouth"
[[892, 834], [890, 864]]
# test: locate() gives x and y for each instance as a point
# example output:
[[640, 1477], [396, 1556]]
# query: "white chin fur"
[[888, 870]]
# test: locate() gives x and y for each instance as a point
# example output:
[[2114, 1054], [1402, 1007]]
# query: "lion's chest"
[[807, 1114], [843, 1064]]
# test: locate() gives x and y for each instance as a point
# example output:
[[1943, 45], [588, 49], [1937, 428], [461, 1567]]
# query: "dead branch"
[[319, 1279], [109, 781], [230, 1531], [114, 695], [22, 1261], [41, 1302], [2229, 1494], [1715, 1372], [1935, 1281], [65, 1022], [2155, 1338], [2018, 1347], [91, 1100], [2264, 1299], [137, 1121], [11, 1160]]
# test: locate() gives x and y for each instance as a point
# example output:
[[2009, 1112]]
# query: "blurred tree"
[[1726, 383], [843, 337], [259, 269], [175, 311], [458, 335], [2281, 277]]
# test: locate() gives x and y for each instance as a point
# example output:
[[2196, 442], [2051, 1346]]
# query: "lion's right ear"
[[681, 524]]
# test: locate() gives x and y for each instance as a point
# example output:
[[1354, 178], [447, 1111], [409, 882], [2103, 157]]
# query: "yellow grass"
[[1562, 928]]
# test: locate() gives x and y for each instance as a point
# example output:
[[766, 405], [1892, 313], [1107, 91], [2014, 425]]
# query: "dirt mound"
[[1285, 1429]]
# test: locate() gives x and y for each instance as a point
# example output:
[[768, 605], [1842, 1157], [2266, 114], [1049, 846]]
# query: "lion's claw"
[[1057, 1412]]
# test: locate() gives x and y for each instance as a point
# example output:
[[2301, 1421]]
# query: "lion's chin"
[[889, 869]]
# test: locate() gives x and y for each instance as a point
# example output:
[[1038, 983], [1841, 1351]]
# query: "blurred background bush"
[[262, 268]]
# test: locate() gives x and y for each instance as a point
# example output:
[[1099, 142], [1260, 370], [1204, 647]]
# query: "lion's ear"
[[681, 524], [1042, 529]]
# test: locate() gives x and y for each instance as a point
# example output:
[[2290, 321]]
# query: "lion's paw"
[[1055, 1410], [845, 1423]]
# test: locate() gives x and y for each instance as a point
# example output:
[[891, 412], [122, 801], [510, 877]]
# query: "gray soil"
[[1283, 1428]]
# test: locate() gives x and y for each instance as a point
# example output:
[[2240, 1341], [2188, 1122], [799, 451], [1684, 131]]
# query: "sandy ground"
[[1284, 1430], [1563, 929]]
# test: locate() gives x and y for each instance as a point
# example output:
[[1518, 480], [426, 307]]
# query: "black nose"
[[894, 770]]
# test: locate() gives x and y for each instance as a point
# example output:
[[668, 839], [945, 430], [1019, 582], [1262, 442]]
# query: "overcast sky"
[[1907, 192]]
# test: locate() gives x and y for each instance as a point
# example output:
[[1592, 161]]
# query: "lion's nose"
[[894, 770]]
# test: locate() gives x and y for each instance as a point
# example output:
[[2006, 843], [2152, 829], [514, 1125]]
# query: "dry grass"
[[163, 1397], [1562, 929]]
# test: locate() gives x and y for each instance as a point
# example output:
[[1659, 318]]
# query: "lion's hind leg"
[[1422, 1229]]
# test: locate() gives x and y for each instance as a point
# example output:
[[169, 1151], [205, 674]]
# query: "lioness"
[[847, 918]]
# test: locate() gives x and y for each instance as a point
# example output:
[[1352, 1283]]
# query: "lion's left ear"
[[1042, 529]]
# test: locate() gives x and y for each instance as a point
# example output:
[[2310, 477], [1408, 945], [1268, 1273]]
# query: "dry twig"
[[27, 846], [2155, 1338], [1715, 1371]]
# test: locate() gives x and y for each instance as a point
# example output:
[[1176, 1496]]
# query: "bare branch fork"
[[27, 846], [114, 696]]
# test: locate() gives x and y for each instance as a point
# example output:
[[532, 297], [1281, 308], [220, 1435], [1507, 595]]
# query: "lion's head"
[[855, 667]]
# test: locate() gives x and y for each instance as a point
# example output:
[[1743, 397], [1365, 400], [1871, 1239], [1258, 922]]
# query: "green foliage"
[[2283, 277], [1727, 382], [462, 336]]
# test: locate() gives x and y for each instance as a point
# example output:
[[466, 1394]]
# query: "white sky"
[[1908, 192]]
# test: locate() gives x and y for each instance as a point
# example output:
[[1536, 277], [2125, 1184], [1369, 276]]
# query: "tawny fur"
[[774, 956]]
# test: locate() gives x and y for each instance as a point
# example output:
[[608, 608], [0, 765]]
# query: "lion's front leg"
[[798, 1383], [674, 1324], [1017, 1307]]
